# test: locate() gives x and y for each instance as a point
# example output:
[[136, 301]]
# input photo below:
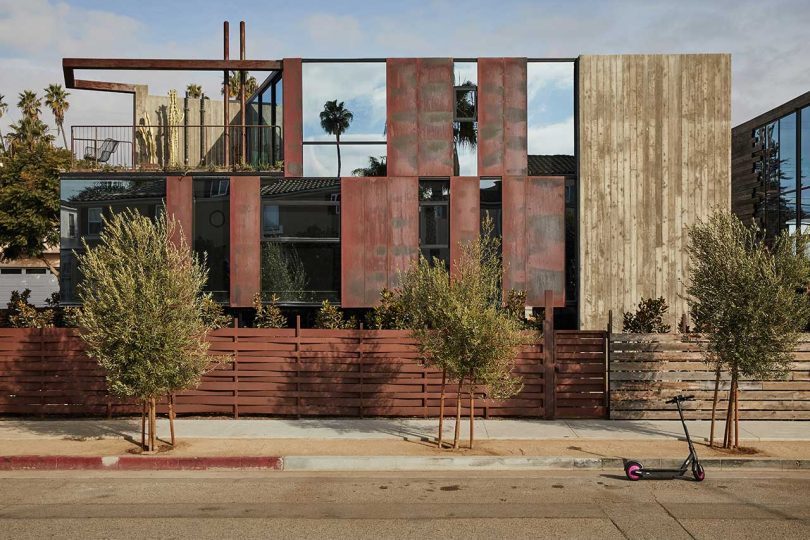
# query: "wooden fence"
[[306, 372], [647, 369]]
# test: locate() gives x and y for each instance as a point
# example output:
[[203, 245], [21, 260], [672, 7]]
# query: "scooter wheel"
[[633, 470], [698, 472]]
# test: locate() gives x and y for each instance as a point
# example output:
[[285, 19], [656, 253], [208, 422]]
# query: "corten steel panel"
[[545, 239], [465, 214], [490, 116], [180, 203], [245, 235], [435, 116], [401, 102], [514, 233], [375, 231], [352, 243], [403, 207], [515, 159], [292, 112]]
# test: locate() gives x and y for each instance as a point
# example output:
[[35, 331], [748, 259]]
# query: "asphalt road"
[[558, 504]]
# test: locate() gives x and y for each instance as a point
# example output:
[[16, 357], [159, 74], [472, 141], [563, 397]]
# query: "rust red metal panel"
[[545, 239], [352, 243], [403, 208], [514, 233], [401, 101], [293, 118], [180, 203], [375, 231], [435, 103], [465, 215], [245, 235], [515, 105], [490, 116]]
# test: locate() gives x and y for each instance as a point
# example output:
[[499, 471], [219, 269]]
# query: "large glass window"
[[84, 204], [787, 152], [265, 120], [212, 232], [434, 220], [550, 118], [491, 203], [300, 259], [805, 147], [344, 113], [465, 119]]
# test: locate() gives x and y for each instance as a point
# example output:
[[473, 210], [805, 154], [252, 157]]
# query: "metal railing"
[[177, 147]]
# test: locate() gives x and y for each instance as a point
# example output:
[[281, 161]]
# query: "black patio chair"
[[101, 154]]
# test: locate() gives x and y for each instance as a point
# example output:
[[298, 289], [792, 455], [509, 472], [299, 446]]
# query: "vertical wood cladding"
[[654, 158], [245, 236], [293, 117], [502, 113], [420, 116], [180, 203], [534, 237], [379, 235], [465, 214]]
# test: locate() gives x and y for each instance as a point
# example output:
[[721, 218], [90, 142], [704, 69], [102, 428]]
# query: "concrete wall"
[[654, 156]]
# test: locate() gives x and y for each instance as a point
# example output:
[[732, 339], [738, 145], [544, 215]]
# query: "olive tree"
[[143, 315], [749, 298], [462, 325]]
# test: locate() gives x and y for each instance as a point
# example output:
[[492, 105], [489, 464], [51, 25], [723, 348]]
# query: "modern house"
[[591, 168], [771, 168]]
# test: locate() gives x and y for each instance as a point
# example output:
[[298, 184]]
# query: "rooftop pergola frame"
[[226, 65]]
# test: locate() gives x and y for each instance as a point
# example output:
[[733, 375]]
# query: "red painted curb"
[[138, 463]]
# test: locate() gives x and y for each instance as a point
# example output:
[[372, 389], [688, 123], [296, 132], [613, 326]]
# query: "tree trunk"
[[337, 138], [441, 407], [54, 270], [729, 409], [171, 417], [143, 424], [714, 405], [472, 410], [2, 142], [458, 413], [152, 425], [64, 136], [736, 413]]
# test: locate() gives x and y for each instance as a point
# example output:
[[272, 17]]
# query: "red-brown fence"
[[305, 372]]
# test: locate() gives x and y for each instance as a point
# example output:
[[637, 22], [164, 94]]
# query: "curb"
[[370, 463], [137, 463]]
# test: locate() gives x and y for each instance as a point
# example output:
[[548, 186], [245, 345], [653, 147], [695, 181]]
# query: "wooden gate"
[[580, 374]]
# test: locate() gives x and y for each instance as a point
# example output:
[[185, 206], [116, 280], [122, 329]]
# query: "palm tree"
[[335, 120], [233, 84], [30, 104], [194, 91], [28, 132], [3, 110], [56, 100], [376, 167]]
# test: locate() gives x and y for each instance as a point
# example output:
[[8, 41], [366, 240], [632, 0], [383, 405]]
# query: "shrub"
[[213, 316], [330, 317], [23, 314], [390, 314], [648, 318], [268, 315]]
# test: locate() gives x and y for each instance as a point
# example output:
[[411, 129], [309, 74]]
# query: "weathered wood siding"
[[648, 369], [654, 156]]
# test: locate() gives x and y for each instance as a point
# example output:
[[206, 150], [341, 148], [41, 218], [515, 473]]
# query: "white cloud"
[[557, 138]]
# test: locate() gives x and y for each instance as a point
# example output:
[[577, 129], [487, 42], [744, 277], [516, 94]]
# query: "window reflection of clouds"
[[550, 89], [360, 85], [321, 159]]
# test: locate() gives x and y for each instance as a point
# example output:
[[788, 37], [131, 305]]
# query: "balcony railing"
[[177, 148]]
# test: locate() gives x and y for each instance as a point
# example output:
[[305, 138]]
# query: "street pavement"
[[468, 505], [398, 428]]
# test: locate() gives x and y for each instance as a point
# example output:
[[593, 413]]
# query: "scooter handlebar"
[[681, 398]]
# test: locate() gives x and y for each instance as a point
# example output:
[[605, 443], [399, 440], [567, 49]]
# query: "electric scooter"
[[636, 471]]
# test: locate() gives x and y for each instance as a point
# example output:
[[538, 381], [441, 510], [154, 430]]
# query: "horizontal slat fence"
[[647, 369], [302, 372]]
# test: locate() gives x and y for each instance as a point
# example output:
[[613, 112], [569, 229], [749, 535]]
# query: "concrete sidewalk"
[[397, 429]]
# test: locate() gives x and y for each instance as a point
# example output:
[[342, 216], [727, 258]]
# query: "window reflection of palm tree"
[[335, 120], [376, 167], [465, 133]]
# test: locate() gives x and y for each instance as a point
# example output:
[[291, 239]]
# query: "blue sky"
[[768, 40]]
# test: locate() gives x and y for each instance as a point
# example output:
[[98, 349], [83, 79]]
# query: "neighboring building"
[[33, 274], [771, 168], [591, 167]]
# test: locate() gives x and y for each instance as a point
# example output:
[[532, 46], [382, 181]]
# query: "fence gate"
[[579, 374]]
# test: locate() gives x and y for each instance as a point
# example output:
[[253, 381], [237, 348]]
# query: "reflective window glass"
[[550, 117], [787, 152], [212, 232]]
